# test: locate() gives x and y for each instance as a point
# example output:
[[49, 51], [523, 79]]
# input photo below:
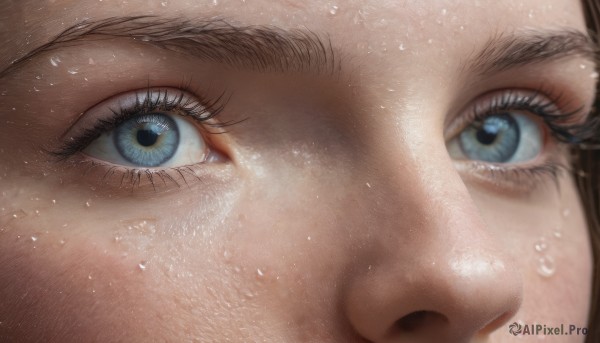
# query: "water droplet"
[[18, 214], [541, 245], [582, 66], [444, 11], [557, 234], [164, 3], [146, 38], [89, 276], [530, 14], [368, 185], [62, 241], [429, 41], [91, 61], [55, 61], [215, 2], [594, 75], [88, 203], [384, 47], [142, 226], [142, 265], [333, 10], [73, 71], [118, 239], [227, 255], [38, 77], [401, 47], [53, 201], [546, 266], [35, 89], [462, 28], [380, 23], [308, 238], [259, 272], [34, 238]]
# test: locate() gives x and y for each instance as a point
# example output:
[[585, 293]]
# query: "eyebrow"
[[259, 48], [268, 48], [507, 51]]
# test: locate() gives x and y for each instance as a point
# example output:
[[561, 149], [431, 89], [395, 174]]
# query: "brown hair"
[[587, 173]]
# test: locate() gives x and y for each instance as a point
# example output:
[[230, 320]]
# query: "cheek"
[[548, 239], [77, 281], [47, 276], [559, 267]]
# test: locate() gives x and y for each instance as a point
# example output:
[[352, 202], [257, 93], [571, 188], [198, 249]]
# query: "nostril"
[[417, 320]]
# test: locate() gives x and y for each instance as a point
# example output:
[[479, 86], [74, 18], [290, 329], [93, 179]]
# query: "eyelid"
[[108, 114], [556, 108], [109, 108], [560, 120]]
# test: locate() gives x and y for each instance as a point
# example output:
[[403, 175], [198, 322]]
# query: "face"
[[299, 171]]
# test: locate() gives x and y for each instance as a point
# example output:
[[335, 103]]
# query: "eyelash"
[[548, 111], [540, 105], [201, 110]]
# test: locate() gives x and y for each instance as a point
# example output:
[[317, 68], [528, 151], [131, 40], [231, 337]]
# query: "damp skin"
[[335, 213]]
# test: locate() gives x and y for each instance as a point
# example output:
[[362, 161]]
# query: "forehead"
[[346, 18]]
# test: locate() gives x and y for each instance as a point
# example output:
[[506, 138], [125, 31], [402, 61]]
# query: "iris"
[[494, 139], [147, 140]]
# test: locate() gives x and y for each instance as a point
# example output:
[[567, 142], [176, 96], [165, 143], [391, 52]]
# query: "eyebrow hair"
[[259, 48], [506, 51]]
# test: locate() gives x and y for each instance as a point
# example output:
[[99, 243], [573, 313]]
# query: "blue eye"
[[494, 140], [504, 137], [150, 140], [147, 140]]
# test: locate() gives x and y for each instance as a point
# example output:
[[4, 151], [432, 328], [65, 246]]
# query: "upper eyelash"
[[156, 99], [548, 111]]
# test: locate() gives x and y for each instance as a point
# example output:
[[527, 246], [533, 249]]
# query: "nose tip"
[[470, 295]]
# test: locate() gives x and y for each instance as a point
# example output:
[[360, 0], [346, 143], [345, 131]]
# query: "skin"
[[336, 211]]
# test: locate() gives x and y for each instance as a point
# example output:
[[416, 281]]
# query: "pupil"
[[147, 137], [486, 136]]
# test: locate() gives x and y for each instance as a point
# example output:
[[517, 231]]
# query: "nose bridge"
[[436, 260]]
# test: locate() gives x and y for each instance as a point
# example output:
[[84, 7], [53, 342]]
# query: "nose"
[[436, 273]]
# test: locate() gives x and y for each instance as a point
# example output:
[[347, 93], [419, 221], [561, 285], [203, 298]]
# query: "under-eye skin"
[[515, 137], [144, 136]]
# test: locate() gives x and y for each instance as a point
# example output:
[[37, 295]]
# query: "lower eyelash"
[[124, 178], [517, 178]]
